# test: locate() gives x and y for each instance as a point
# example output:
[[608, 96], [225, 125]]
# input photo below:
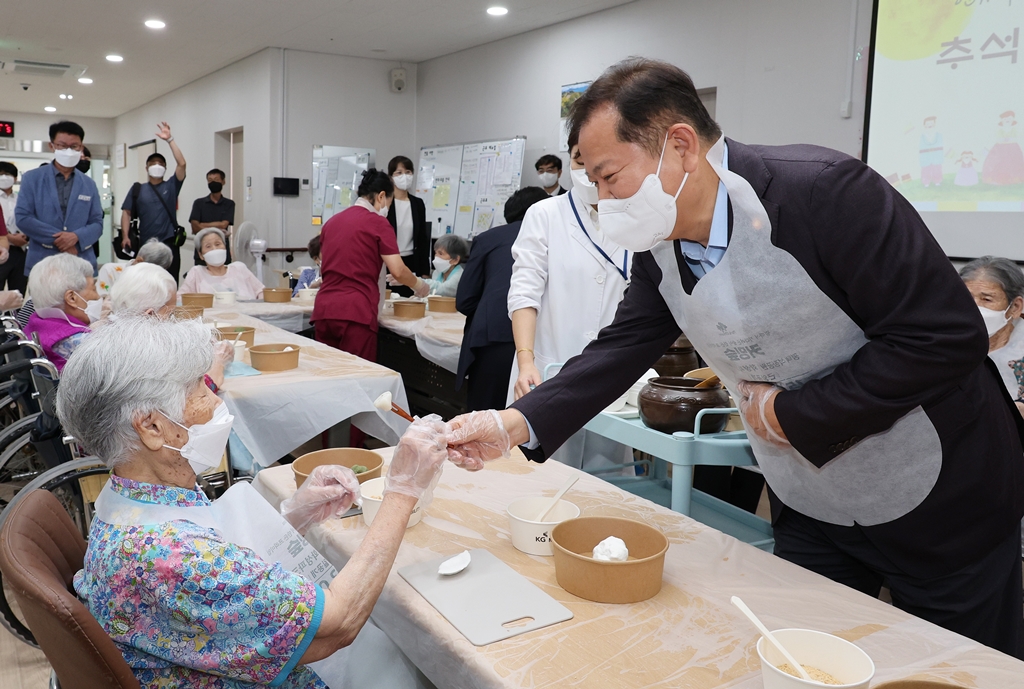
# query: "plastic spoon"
[[558, 496], [384, 403], [454, 565], [771, 637]]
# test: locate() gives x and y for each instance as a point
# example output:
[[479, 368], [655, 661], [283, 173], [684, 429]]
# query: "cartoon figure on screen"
[[1005, 162], [967, 175], [930, 150]]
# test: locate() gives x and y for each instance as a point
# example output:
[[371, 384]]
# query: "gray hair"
[[156, 252], [454, 246], [203, 234], [102, 391], [1002, 271], [142, 287], [53, 276]]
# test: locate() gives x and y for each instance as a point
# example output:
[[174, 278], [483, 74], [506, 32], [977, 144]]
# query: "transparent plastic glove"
[[4, 255], [754, 399], [224, 352], [422, 288], [418, 459], [476, 438], [390, 279], [10, 300], [328, 492]]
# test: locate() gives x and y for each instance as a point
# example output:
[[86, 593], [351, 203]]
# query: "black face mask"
[[215, 187], [83, 165]]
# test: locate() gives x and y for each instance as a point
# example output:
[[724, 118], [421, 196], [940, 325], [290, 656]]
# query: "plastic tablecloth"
[[688, 635], [277, 412], [292, 316], [438, 336]]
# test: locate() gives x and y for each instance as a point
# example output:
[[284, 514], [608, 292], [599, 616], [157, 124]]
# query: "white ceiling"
[[204, 35]]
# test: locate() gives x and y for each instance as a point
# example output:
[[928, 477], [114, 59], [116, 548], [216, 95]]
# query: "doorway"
[[229, 155]]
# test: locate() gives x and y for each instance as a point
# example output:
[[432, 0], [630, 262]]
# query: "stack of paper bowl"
[[197, 299], [341, 456], [529, 533], [410, 309], [229, 333], [632, 581], [184, 312], [307, 295], [819, 653], [274, 357], [277, 295], [442, 304]]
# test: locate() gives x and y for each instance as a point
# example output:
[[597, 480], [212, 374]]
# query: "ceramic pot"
[[669, 404], [679, 359]]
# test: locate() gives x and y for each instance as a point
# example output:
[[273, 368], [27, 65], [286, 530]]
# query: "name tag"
[[83, 197]]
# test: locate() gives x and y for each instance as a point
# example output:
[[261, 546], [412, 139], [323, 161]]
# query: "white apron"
[[758, 316], [243, 517]]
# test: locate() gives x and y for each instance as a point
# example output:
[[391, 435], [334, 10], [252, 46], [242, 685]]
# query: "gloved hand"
[[418, 459], [757, 404], [476, 438], [10, 300], [390, 279], [422, 288], [328, 492], [4, 255], [224, 352]]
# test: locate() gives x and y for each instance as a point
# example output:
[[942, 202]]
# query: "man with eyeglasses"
[[59, 207]]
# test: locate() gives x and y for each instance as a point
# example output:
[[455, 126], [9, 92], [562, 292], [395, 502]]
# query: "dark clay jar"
[[679, 360], [670, 404]]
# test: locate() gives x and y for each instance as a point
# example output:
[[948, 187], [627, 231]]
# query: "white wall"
[[780, 68], [98, 130]]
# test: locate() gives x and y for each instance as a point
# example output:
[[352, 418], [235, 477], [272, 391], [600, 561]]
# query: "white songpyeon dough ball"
[[611, 549]]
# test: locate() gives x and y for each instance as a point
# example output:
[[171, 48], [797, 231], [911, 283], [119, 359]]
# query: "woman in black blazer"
[[408, 217]]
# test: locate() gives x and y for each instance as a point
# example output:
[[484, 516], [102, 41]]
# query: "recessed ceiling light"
[[114, 58], [497, 11], [84, 80], [50, 108], [63, 96], [155, 24], [70, 96]]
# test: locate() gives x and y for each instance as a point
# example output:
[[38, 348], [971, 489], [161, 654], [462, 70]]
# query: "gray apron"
[[758, 316]]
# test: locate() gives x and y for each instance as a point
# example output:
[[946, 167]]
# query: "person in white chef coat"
[[567, 280]]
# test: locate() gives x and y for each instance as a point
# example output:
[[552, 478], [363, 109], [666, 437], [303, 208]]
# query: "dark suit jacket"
[[869, 251], [421, 252], [483, 292]]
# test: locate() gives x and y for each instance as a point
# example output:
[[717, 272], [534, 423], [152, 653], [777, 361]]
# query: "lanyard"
[[625, 254]]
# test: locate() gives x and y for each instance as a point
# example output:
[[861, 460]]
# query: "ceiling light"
[[63, 96], [50, 108], [70, 96], [114, 58], [84, 80], [497, 11], [155, 24]]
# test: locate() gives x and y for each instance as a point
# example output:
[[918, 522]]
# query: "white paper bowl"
[[838, 657], [307, 295], [372, 492], [531, 536], [224, 298]]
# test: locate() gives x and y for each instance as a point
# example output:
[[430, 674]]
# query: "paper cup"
[[838, 657], [239, 350], [531, 536], [307, 295], [372, 492], [224, 298]]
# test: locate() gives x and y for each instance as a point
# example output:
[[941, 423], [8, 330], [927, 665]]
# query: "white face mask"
[[403, 181], [93, 308], [442, 264], [994, 320], [215, 257], [548, 179], [68, 157], [6, 182], [582, 185], [156, 171], [206, 441], [384, 211], [645, 218]]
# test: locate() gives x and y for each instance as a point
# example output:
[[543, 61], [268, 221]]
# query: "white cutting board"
[[482, 598]]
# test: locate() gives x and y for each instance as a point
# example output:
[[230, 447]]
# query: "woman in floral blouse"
[[186, 607]]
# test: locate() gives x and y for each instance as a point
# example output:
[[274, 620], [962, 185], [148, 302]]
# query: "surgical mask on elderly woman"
[[93, 308], [442, 264], [206, 441], [994, 320], [215, 257]]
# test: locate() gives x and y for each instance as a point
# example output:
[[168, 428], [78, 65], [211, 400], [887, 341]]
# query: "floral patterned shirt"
[[188, 609]]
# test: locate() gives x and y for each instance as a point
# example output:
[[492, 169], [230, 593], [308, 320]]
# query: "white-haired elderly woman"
[[997, 286], [450, 254], [154, 251], [215, 276], [66, 303], [186, 607]]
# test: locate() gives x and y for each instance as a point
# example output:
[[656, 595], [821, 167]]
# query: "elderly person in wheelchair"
[[185, 606]]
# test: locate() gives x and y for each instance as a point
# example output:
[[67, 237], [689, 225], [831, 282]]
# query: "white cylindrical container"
[[845, 661], [532, 536]]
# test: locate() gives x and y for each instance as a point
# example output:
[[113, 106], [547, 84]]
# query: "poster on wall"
[[121, 156], [570, 94]]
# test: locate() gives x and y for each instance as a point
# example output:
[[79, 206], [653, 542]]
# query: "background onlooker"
[[213, 210], [408, 215], [549, 171], [310, 276], [215, 276], [153, 251], [12, 273]]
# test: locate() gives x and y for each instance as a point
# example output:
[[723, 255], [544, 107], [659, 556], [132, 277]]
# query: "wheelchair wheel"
[[20, 463]]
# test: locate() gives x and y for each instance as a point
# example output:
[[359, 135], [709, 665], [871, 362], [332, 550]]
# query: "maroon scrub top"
[[351, 246]]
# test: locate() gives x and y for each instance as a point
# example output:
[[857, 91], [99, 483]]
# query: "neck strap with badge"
[[624, 270]]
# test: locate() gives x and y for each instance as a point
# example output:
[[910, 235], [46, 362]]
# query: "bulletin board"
[[465, 186], [337, 171]]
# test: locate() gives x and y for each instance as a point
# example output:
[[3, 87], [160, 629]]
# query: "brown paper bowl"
[[248, 334], [442, 304], [917, 684], [181, 312], [580, 574], [197, 299], [277, 295], [272, 357], [342, 456], [410, 309]]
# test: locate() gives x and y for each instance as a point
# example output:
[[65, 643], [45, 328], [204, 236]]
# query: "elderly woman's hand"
[[224, 352], [418, 458], [10, 300], [329, 492]]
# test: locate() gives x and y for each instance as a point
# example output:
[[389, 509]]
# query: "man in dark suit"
[[816, 292], [488, 347]]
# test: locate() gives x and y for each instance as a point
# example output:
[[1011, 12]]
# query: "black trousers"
[[735, 486], [982, 601], [175, 269], [487, 387], [12, 273]]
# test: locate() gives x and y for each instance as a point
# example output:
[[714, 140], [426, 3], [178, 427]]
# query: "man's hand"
[[66, 241], [481, 436], [163, 130], [17, 239], [757, 404]]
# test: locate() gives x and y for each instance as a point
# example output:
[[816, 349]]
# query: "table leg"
[[682, 484]]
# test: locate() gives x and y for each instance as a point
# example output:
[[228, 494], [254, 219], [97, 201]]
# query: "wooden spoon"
[[708, 382]]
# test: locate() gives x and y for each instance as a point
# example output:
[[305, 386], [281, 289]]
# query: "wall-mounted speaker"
[[398, 80]]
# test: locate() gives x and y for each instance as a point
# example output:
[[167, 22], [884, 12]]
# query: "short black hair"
[[400, 160], [9, 168], [86, 153], [66, 127], [375, 181], [649, 96], [216, 171], [548, 160], [519, 202], [156, 156], [314, 247]]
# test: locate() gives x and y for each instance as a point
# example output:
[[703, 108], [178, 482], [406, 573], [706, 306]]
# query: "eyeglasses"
[[64, 147]]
